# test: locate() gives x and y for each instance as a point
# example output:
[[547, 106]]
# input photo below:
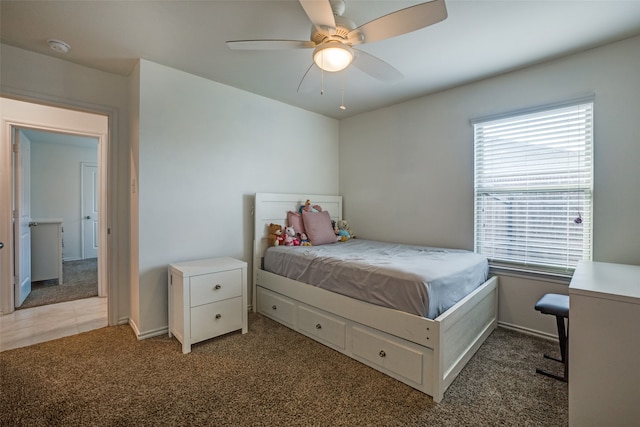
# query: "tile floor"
[[48, 322]]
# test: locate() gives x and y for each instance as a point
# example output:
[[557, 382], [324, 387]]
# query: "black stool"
[[557, 305]]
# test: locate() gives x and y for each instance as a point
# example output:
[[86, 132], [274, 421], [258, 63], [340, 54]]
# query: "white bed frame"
[[425, 354]]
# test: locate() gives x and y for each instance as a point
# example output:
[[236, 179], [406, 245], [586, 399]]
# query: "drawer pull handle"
[[274, 307], [218, 316], [382, 353], [318, 326], [216, 287]]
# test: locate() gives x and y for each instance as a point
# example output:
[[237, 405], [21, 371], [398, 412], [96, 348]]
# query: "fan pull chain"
[[322, 77], [342, 106]]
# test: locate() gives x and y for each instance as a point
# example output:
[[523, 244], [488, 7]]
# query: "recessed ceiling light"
[[59, 46]]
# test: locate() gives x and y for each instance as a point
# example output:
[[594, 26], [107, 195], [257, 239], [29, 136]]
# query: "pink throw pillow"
[[318, 227], [294, 219]]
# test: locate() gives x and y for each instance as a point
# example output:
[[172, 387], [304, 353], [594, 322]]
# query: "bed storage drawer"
[[324, 327], [215, 287], [389, 354], [211, 320], [275, 306]]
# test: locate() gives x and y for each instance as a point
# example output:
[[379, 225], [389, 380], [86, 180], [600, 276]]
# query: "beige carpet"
[[271, 376]]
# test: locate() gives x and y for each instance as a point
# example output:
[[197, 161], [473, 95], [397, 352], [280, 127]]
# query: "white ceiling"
[[60, 138], [479, 39]]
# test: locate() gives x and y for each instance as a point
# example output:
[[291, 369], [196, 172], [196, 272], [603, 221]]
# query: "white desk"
[[604, 345]]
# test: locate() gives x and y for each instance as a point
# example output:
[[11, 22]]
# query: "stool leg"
[[564, 351], [563, 339]]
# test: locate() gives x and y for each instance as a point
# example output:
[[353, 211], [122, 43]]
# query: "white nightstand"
[[207, 298]]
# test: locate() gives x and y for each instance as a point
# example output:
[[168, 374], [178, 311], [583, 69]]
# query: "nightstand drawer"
[[214, 287], [211, 320]]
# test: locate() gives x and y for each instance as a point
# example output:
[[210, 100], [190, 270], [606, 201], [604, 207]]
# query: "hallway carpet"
[[80, 280]]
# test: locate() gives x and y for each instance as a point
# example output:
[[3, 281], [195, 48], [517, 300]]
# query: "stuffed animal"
[[275, 234], [304, 240], [345, 229], [290, 238], [336, 230], [308, 208]]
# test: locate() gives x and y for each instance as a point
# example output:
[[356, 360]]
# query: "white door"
[[89, 210], [22, 217]]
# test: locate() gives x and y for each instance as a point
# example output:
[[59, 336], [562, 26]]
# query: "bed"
[[398, 340]]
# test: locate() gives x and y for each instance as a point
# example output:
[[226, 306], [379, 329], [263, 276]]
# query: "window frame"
[[524, 268]]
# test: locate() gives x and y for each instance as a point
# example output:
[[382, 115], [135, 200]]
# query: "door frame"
[[27, 115]]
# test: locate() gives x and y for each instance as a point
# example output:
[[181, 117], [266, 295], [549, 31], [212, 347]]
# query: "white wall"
[[56, 188], [42, 79], [203, 150], [406, 172]]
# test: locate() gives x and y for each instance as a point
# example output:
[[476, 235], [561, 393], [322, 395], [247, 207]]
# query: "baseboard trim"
[[528, 331], [133, 326], [152, 333]]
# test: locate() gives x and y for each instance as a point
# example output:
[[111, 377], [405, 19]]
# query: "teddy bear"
[[275, 234], [290, 238], [345, 230]]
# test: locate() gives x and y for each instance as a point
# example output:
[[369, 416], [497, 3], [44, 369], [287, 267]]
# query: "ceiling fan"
[[333, 36]]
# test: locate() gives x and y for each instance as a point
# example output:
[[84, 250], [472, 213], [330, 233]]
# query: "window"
[[533, 188]]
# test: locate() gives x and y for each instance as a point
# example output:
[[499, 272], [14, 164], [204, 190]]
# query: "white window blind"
[[533, 188]]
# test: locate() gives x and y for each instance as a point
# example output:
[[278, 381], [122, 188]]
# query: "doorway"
[[63, 204], [35, 117]]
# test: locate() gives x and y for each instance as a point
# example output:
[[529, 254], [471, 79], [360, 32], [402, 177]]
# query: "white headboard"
[[272, 208]]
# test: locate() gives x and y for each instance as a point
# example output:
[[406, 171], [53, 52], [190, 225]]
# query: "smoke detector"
[[59, 46]]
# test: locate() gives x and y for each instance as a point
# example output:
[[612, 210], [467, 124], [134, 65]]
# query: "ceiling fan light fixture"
[[333, 56]]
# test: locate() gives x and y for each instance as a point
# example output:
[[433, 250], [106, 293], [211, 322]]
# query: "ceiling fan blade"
[[400, 22], [311, 79], [269, 44], [320, 14], [376, 67]]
